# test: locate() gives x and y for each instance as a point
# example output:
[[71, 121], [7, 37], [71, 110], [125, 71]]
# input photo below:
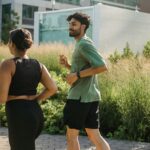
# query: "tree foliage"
[[9, 22]]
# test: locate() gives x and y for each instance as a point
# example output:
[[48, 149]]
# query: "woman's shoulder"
[[33, 59], [37, 62], [7, 64]]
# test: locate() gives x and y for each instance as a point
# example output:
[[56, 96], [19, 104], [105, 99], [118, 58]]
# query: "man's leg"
[[72, 139], [96, 138]]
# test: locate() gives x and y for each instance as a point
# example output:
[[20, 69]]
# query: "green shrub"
[[110, 116], [124, 109], [146, 51], [115, 57], [125, 90], [127, 52], [3, 120], [53, 114], [135, 96]]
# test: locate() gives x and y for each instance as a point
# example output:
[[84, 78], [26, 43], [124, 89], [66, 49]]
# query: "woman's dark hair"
[[81, 17], [21, 38]]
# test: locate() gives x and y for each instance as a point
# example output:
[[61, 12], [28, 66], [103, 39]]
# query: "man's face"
[[75, 28]]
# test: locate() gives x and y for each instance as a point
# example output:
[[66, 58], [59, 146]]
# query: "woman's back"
[[26, 77]]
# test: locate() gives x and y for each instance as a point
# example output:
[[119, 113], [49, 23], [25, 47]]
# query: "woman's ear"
[[12, 47]]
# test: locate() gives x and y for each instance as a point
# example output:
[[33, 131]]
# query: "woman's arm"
[[6, 68], [48, 83]]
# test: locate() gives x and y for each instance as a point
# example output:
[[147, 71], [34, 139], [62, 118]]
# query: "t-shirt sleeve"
[[90, 53]]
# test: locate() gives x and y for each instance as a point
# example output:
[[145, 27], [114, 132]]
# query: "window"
[[48, 9], [74, 2], [28, 14], [6, 12]]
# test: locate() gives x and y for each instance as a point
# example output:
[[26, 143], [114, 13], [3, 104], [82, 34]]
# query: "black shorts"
[[78, 115]]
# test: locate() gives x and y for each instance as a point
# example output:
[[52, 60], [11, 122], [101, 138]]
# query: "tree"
[[9, 22]]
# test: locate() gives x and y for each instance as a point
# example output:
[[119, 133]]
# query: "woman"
[[19, 78]]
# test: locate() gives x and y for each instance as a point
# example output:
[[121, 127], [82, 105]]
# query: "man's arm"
[[73, 77], [92, 71], [63, 61], [91, 55]]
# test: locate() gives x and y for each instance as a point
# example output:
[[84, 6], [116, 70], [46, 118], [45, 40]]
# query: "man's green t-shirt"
[[85, 56]]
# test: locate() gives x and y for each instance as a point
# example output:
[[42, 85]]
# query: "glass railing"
[[54, 27]]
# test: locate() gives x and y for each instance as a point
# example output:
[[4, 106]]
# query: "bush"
[[135, 105], [125, 90], [3, 120], [127, 52], [114, 58], [126, 101], [110, 116], [146, 51], [53, 114]]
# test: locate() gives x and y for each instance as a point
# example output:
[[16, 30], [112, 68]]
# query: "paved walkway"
[[58, 142]]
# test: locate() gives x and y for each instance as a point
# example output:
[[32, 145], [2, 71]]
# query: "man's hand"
[[71, 78], [64, 61]]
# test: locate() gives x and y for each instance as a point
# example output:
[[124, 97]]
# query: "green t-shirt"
[[85, 56]]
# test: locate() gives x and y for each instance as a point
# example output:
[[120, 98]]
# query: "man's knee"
[[71, 137], [93, 135], [72, 134]]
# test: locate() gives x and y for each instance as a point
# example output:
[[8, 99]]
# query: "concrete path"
[[58, 142]]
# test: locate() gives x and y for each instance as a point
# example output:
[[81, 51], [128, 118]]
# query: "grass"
[[125, 90], [48, 54]]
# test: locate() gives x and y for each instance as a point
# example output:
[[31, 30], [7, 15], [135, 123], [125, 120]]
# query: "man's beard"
[[74, 33]]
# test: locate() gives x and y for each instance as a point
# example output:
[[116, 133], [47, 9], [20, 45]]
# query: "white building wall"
[[18, 9], [119, 26], [6, 1], [85, 2], [113, 27]]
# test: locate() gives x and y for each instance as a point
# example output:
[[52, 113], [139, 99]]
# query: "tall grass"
[[125, 89], [48, 54]]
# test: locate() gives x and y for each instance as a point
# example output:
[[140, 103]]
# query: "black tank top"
[[26, 77]]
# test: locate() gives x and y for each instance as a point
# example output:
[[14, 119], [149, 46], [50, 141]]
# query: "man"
[[82, 107]]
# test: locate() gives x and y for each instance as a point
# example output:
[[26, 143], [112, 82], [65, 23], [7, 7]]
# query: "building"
[[140, 5], [144, 6], [26, 8], [111, 28]]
